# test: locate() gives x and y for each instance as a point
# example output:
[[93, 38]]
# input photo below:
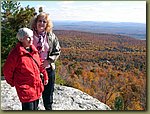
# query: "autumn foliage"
[[111, 68]]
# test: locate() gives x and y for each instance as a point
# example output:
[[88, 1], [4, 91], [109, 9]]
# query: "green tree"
[[118, 103], [9, 8], [13, 17]]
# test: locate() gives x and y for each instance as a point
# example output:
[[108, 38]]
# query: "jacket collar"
[[23, 51]]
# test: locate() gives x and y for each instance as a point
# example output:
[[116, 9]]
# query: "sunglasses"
[[42, 21]]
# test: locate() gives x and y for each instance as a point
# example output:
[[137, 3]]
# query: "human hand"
[[45, 82]]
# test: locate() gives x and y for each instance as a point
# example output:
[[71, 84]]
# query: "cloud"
[[125, 11]]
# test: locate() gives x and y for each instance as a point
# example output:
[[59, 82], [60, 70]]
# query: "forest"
[[109, 67]]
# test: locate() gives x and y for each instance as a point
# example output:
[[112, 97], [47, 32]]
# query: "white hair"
[[24, 32]]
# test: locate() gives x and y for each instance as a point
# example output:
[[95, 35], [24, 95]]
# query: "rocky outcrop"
[[65, 98]]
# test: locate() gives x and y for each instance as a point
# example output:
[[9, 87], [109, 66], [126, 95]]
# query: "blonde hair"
[[49, 25]]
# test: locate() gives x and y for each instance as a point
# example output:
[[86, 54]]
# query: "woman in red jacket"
[[22, 69]]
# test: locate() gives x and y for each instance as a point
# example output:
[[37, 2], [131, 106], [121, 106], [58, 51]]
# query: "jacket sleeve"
[[9, 68], [43, 71], [54, 53]]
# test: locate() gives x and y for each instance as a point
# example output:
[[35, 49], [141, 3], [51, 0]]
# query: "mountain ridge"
[[137, 30]]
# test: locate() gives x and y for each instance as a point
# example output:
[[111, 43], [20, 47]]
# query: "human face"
[[27, 41], [41, 24]]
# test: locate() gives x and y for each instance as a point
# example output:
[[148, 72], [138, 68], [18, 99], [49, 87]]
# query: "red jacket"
[[21, 71]]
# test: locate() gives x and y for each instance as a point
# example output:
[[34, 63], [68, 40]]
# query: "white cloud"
[[122, 11]]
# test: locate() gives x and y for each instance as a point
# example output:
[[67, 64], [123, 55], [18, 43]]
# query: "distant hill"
[[136, 30], [99, 41]]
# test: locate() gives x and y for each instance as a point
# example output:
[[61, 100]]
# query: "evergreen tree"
[[118, 103], [13, 17]]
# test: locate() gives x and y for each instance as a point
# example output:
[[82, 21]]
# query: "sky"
[[102, 11]]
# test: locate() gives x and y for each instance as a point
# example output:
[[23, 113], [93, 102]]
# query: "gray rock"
[[65, 98]]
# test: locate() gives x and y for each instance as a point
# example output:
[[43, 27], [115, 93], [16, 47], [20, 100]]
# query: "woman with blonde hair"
[[48, 47]]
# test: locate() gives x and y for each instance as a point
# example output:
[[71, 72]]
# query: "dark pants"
[[30, 105], [47, 94]]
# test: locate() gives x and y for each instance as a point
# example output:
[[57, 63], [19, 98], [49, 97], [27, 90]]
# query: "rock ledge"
[[65, 98]]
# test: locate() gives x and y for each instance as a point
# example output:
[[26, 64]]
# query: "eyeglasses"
[[42, 21], [29, 38]]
